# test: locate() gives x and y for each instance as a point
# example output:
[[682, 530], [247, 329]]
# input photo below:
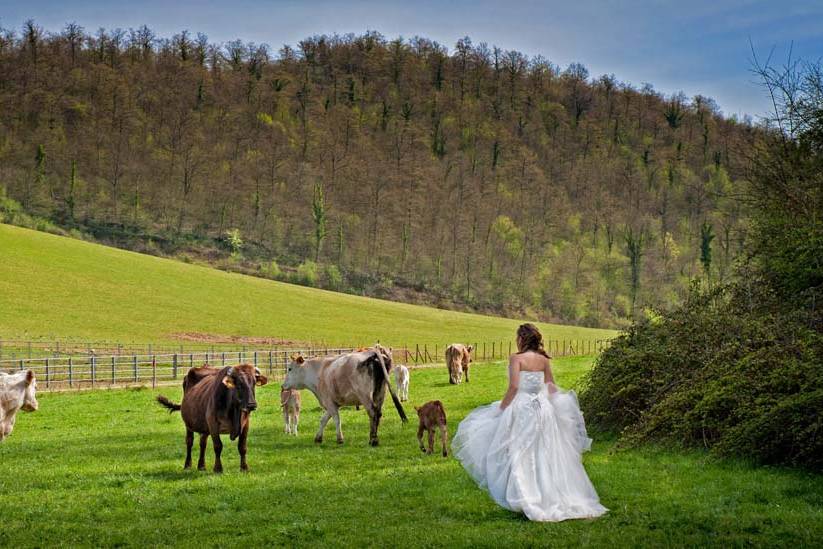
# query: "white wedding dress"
[[528, 456]]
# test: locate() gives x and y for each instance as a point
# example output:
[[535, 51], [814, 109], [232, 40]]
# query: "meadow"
[[57, 287], [104, 468]]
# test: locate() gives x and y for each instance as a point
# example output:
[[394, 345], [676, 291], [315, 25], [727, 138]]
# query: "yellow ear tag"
[[227, 381]]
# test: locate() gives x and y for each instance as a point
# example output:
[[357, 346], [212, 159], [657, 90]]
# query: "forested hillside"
[[470, 177]]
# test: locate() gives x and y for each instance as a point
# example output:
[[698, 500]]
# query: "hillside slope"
[[52, 286], [475, 177]]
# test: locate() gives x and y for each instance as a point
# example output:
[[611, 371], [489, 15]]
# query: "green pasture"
[[104, 468], [57, 287]]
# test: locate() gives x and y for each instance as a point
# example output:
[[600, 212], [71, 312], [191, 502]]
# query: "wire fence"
[[93, 370]]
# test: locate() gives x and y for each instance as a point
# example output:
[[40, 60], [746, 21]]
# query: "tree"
[[318, 208], [634, 249], [706, 237]]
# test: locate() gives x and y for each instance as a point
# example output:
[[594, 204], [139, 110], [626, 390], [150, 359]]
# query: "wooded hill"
[[474, 177]]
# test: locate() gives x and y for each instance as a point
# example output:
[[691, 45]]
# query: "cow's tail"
[[394, 398], [166, 403]]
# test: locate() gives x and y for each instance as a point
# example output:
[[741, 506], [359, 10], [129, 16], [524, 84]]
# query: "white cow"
[[17, 391], [401, 379]]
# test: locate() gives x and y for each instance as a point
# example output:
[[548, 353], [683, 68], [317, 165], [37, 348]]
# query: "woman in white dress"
[[526, 449]]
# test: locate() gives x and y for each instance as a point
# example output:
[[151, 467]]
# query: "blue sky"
[[696, 46]]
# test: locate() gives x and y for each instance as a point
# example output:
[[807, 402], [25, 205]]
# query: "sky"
[[695, 46]]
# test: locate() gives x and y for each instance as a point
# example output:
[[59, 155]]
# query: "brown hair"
[[531, 339]]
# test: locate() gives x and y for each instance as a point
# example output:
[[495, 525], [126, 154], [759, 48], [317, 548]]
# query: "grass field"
[[57, 287], [105, 468]]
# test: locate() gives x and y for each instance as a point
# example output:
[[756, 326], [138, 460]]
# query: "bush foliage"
[[731, 370]]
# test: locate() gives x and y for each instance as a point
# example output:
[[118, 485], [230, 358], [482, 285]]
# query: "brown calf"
[[432, 415], [458, 359], [217, 401], [290, 402]]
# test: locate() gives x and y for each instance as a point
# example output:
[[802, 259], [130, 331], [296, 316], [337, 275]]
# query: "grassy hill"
[[56, 287]]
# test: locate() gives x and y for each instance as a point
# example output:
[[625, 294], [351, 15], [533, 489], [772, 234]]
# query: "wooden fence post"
[[113, 370], [270, 363], [93, 369], [154, 371], [174, 365], [71, 373], [47, 373], [134, 366]]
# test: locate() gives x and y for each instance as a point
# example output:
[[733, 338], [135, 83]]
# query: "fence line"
[[93, 370]]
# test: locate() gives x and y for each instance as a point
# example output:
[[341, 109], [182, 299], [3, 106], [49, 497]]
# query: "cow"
[[432, 415], [17, 392], [458, 359], [346, 380], [401, 378], [290, 402], [217, 401]]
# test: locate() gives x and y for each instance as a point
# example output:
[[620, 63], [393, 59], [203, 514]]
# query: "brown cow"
[[458, 359], [217, 401], [346, 380], [432, 415]]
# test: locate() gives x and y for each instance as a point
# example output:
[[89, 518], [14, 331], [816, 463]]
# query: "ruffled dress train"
[[529, 456]]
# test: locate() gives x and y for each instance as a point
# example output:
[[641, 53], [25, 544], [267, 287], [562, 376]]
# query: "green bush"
[[271, 269], [732, 369], [333, 277], [307, 273]]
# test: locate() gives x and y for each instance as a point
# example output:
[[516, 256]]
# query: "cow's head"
[[294, 373], [242, 380], [29, 397]]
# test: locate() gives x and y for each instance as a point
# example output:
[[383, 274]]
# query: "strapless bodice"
[[531, 382]]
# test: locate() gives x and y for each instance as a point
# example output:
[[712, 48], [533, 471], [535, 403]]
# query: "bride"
[[526, 449]]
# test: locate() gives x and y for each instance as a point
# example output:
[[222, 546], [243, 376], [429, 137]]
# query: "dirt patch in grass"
[[234, 339]]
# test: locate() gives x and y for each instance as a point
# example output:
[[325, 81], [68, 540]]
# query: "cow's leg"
[[189, 444], [286, 426], [323, 421], [338, 427], [217, 444], [444, 434], [374, 414], [201, 462], [420, 431], [294, 421], [466, 373], [431, 440], [242, 446]]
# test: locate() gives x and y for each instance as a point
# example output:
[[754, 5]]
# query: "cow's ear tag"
[[227, 381], [262, 380]]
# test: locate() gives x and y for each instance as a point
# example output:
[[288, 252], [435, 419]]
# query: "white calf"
[[17, 392], [401, 379]]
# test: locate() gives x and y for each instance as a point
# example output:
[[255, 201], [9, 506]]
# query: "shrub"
[[732, 369], [334, 279], [271, 269], [307, 273]]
